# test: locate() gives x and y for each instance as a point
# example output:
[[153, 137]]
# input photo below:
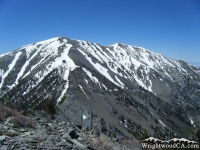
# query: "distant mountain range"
[[195, 64], [131, 88]]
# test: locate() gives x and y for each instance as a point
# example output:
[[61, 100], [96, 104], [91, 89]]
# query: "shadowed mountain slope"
[[131, 88]]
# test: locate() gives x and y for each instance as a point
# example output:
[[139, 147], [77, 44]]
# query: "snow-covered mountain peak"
[[120, 60], [76, 73], [125, 61]]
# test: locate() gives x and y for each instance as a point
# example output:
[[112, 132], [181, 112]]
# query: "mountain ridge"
[[118, 82]]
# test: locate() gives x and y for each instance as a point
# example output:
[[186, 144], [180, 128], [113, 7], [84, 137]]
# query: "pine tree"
[[51, 109], [144, 135]]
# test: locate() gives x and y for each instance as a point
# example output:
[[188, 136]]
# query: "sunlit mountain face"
[[131, 88]]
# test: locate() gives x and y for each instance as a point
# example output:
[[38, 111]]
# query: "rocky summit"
[[124, 90]]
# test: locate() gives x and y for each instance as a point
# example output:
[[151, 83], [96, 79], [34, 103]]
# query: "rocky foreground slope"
[[41, 133]]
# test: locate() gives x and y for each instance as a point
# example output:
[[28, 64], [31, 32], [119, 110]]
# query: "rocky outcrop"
[[54, 135]]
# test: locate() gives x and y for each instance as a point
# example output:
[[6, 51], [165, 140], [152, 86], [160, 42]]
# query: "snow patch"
[[104, 86], [93, 78], [86, 81], [83, 91], [191, 121], [64, 91], [118, 80], [10, 67], [162, 123], [84, 117]]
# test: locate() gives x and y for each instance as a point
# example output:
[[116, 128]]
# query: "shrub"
[[5, 112], [18, 119], [22, 121], [99, 144], [11, 134]]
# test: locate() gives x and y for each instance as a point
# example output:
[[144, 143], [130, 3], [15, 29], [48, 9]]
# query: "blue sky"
[[168, 27]]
